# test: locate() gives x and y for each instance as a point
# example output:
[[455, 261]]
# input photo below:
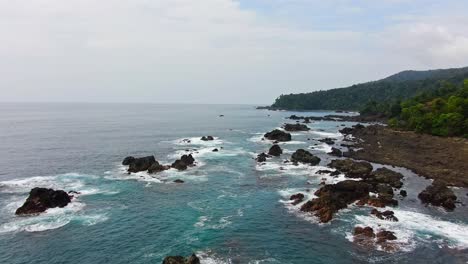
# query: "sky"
[[218, 51]]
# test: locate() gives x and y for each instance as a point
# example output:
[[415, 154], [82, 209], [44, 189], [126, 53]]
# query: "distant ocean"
[[229, 210]]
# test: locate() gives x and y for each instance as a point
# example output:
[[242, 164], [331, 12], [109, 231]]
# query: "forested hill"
[[400, 86]]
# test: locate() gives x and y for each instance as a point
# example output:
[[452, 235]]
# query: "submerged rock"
[[140, 164], [438, 194], [403, 193], [178, 181], [262, 157], [207, 138], [275, 150], [41, 199], [329, 141], [351, 168], [278, 135], [336, 152], [296, 127], [333, 197], [385, 215], [193, 259], [297, 198], [305, 156]]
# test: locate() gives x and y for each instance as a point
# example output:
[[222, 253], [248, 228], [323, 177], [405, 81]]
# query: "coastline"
[[432, 157]]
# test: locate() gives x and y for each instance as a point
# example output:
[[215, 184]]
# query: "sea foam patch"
[[414, 227]]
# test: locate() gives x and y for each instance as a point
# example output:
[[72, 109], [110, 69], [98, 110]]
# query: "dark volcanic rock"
[[336, 152], [329, 141], [297, 198], [366, 237], [364, 231], [128, 160], [41, 199], [385, 215], [215, 150], [438, 194], [183, 162], [262, 157], [278, 135], [324, 171], [181, 260], [141, 164], [384, 175], [275, 150], [403, 193], [178, 181], [383, 236], [207, 138], [156, 167], [333, 197], [296, 127], [305, 156], [352, 169]]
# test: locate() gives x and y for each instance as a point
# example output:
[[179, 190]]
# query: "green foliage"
[[369, 96], [442, 112]]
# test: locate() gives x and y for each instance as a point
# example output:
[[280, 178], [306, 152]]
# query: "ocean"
[[228, 210]]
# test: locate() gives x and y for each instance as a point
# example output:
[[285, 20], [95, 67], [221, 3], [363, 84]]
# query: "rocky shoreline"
[[437, 158]]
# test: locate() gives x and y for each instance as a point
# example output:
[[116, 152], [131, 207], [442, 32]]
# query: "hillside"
[[399, 86]]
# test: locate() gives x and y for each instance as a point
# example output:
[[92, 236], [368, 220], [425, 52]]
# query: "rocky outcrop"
[[297, 198], [329, 141], [305, 156], [275, 150], [365, 236], [336, 152], [193, 259], [128, 160], [438, 194], [386, 176], [296, 127], [385, 215], [333, 197], [278, 135], [207, 138], [41, 199], [156, 167], [262, 157], [139, 164], [184, 162], [352, 169]]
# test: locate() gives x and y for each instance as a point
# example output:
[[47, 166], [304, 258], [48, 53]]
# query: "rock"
[[183, 162], [385, 215], [305, 156], [262, 157], [352, 169], [207, 138], [215, 150], [333, 197], [141, 164], [306, 120], [346, 130], [324, 171], [336, 152], [296, 127], [156, 167], [41, 199], [383, 236], [297, 198], [275, 150], [384, 175], [403, 193], [278, 135], [438, 194], [193, 259], [186, 140], [128, 160], [178, 181], [364, 231], [329, 141]]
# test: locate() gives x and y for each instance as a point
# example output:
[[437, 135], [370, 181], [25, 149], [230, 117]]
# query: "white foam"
[[322, 148], [196, 141], [326, 134], [417, 226]]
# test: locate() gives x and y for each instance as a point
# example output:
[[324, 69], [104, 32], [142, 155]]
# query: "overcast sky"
[[218, 51]]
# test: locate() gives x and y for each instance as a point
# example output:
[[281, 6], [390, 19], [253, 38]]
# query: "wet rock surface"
[[305, 156], [438, 194], [278, 135], [41, 199]]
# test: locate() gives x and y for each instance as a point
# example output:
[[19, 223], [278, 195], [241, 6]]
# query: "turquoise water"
[[229, 210]]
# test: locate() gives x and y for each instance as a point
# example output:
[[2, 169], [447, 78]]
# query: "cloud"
[[217, 51]]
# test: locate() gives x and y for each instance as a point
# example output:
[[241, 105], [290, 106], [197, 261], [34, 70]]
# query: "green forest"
[[440, 112], [400, 86]]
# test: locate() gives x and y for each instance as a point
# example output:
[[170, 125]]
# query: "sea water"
[[229, 210]]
